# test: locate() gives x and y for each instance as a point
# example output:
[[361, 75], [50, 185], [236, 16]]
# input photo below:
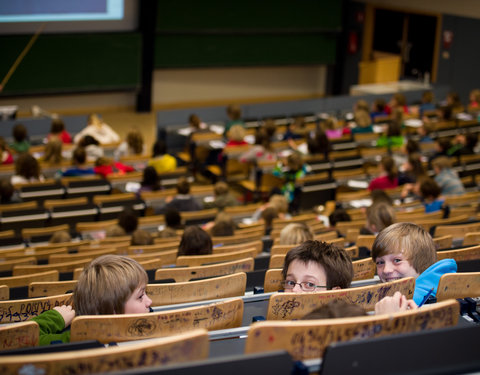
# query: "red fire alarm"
[[352, 42], [447, 39]]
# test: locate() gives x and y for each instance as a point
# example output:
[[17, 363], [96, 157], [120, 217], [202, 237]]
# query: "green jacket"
[[52, 327]]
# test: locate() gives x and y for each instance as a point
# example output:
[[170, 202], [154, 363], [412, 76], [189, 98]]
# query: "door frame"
[[369, 25]]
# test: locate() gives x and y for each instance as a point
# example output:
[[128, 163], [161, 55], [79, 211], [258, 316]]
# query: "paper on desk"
[[357, 203], [216, 144], [185, 131], [414, 122], [217, 129], [357, 184]]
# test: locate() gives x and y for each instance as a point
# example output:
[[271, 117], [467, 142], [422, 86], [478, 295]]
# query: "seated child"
[[195, 241], [173, 222], [379, 215], [60, 236], [407, 250], [223, 197], [316, 266], [430, 192], [20, 139], [141, 237], [110, 284], [295, 233]]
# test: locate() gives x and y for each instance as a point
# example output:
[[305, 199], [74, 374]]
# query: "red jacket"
[[116, 167]]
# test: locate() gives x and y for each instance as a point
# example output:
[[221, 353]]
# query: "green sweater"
[[52, 327]]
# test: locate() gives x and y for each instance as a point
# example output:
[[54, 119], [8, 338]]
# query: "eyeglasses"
[[305, 285]]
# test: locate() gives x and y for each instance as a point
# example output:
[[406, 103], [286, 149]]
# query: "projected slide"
[[60, 10]]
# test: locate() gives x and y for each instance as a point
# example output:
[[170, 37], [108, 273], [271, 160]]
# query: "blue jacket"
[[431, 276]]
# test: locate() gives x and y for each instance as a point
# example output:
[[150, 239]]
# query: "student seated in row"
[[430, 194], [316, 266], [407, 250], [110, 284], [379, 216]]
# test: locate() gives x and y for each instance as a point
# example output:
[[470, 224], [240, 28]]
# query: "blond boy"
[[407, 250]]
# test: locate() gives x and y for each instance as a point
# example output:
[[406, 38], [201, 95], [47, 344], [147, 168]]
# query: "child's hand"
[[394, 304], [67, 313]]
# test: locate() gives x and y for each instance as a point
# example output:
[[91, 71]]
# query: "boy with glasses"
[[316, 266]]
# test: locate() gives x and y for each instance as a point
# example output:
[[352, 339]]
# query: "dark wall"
[[353, 25], [460, 70]]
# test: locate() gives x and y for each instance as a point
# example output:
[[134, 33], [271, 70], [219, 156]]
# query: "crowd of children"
[[116, 285]]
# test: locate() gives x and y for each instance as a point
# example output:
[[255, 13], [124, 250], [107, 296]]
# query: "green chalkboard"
[[221, 15], [193, 33], [243, 50], [72, 63]]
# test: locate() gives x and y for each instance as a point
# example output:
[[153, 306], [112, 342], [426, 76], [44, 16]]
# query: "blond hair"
[[279, 202], [94, 119], [115, 230], [236, 133], [106, 284], [295, 233], [409, 239], [60, 236]]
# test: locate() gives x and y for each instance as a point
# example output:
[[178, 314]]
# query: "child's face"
[[138, 303], [392, 267], [311, 273]]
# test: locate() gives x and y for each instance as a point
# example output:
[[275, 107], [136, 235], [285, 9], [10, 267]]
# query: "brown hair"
[[295, 233], [361, 105], [106, 284], [268, 214], [427, 97], [224, 225], [141, 237], [362, 118], [79, 156], [389, 167], [53, 151], [411, 240], [194, 120], [27, 166], [220, 188], [336, 262], [19, 132], [336, 308], [115, 230], [330, 123], [135, 141], [60, 236], [234, 112], [441, 162], [429, 188], [57, 126], [380, 215], [400, 99], [183, 186], [294, 161], [195, 241], [279, 202]]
